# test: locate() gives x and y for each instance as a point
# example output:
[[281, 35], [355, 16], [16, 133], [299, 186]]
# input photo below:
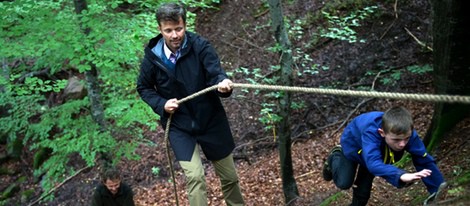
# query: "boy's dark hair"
[[110, 174], [397, 120], [171, 12]]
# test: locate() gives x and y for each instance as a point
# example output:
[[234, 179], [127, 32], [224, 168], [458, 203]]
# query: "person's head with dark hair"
[[171, 12], [171, 18], [397, 126], [112, 190], [111, 178], [397, 120]]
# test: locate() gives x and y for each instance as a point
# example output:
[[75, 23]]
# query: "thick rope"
[[167, 134], [173, 178], [388, 95]]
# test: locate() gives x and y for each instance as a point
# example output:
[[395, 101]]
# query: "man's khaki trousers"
[[196, 181]]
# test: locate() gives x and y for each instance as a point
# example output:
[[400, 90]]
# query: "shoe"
[[433, 198], [327, 173]]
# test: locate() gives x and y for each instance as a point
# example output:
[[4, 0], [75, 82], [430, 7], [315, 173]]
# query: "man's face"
[[112, 185], [394, 141], [173, 33]]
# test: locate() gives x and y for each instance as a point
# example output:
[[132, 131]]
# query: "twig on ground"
[[305, 174], [57, 186], [396, 17], [357, 106], [244, 40], [417, 40], [388, 28], [34, 73], [252, 142], [349, 115], [395, 9], [261, 13]]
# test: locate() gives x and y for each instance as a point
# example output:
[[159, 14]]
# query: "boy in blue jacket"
[[374, 141]]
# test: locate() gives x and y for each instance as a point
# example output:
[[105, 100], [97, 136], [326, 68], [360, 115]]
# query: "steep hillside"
[[240, 32]]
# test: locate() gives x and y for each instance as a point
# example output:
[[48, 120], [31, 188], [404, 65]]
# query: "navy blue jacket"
[[362, 143], [200, 120]]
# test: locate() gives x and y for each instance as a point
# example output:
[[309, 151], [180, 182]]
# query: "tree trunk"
[[5, 73], [451, 47], [91, 77], [94, 93], [289, 184]]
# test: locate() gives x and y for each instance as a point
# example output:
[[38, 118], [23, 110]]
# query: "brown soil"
[[240, 32]]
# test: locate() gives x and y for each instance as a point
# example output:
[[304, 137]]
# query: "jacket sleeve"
[[96, 199], [422, 160], [129, 197], [146, 88], [211, 63], [373, 159]]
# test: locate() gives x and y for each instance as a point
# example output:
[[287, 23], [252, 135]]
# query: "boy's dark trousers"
[[344, 172]]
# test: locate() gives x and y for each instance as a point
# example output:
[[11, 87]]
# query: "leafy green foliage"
[[202, 4], [269, 118], [294, 29], [457, 191], [20, 109], [156, 171], [342, 27], [417, 69], [332, 198], [35, 85], [268, 112], [38, 36], [391, 76], [304, 67]]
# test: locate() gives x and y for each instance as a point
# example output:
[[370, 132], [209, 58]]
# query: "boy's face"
[[394, 141], [173, 33]]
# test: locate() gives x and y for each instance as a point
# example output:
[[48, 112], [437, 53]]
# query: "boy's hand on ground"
[[410, 177]]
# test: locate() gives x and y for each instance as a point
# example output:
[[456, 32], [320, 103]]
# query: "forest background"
[[68, 96]]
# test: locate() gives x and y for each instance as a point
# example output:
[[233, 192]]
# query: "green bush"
[[44, 43]]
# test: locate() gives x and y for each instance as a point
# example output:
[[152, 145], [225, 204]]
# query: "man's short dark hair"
[[110, 174], [171, 12]]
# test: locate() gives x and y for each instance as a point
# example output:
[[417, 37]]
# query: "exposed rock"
[[74, 89]]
